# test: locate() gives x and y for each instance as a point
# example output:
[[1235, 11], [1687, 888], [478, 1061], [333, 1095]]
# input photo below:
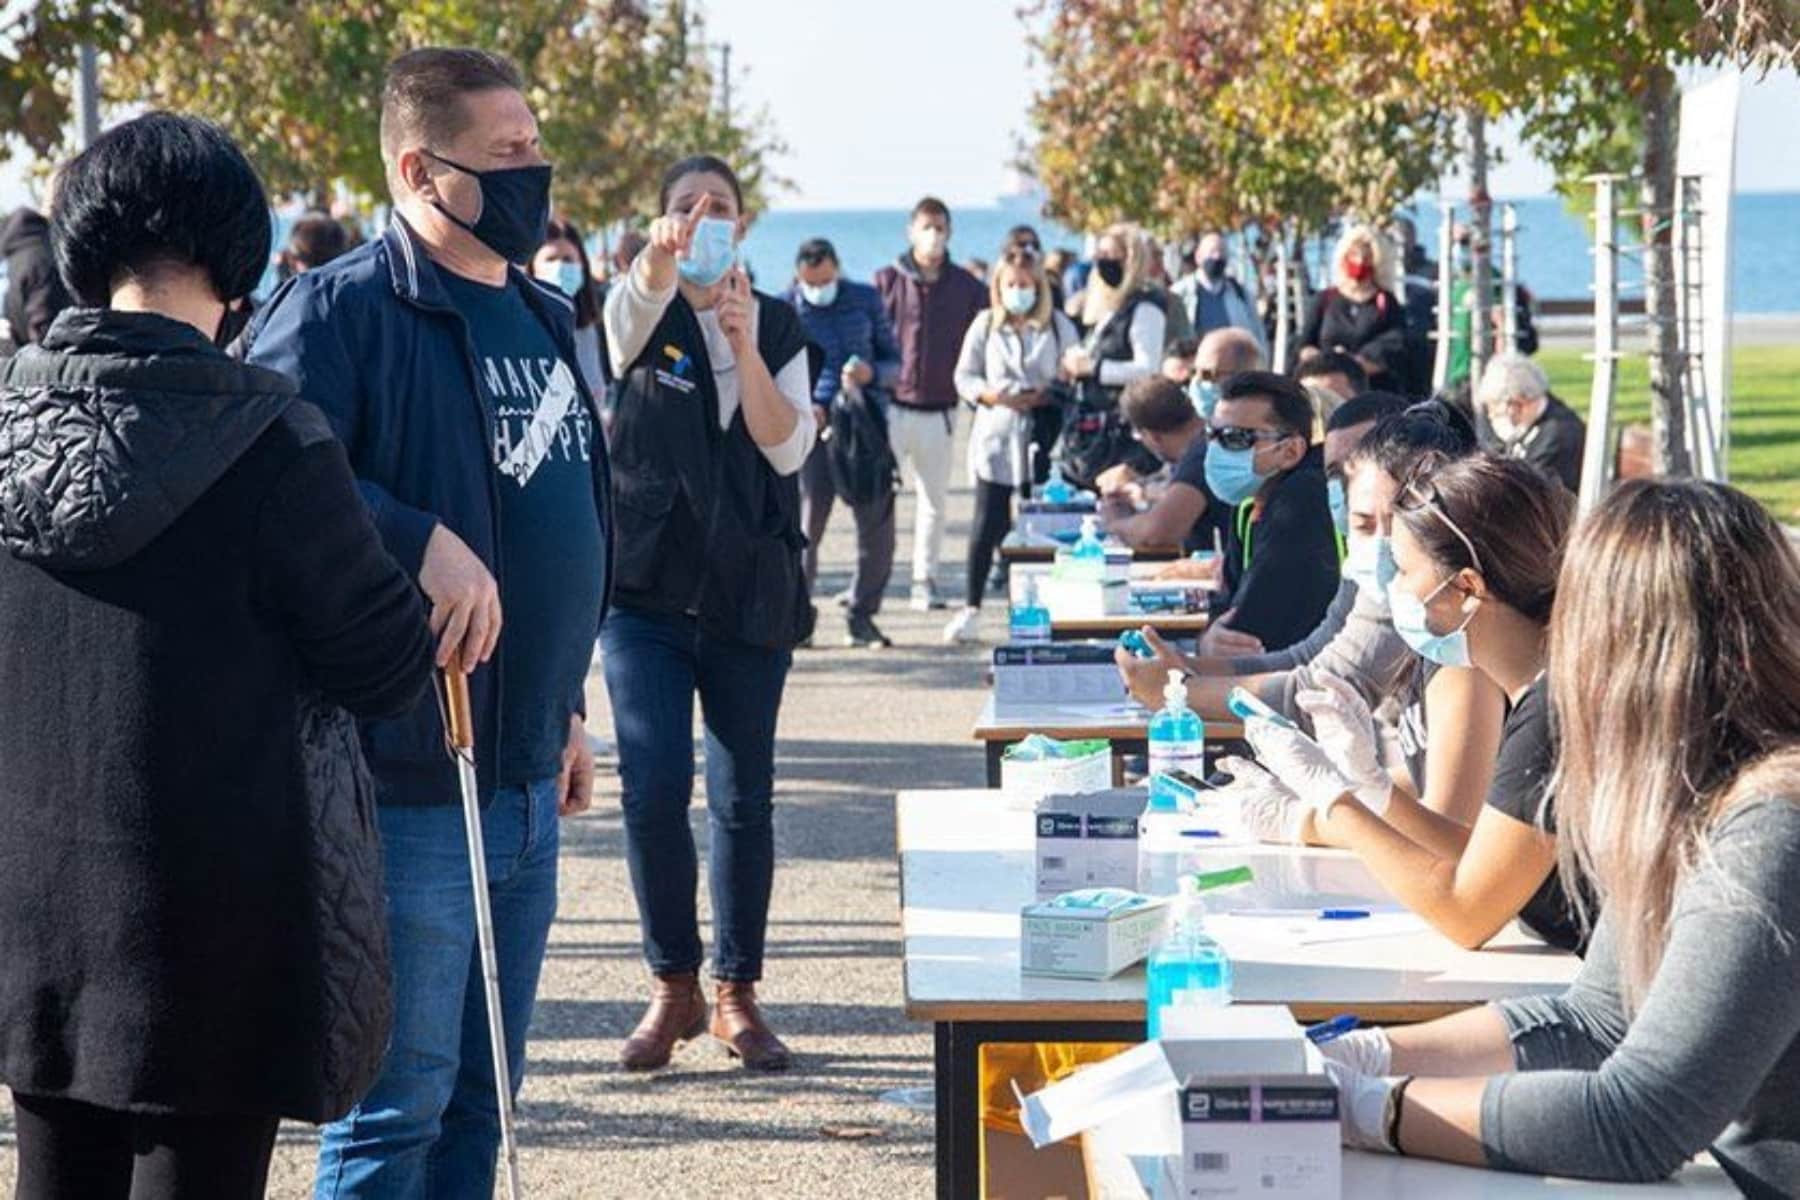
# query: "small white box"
[[1062, 675], [1087, 768], [1087, 840], [1238, 1039], [1084, 599], [1041, 519], [1260, 1135], [1088, 942]]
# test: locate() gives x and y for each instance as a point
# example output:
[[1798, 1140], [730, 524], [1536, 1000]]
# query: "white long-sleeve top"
[[631, 316], [1007, 359]]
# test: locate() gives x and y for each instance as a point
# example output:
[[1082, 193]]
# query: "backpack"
[[862, 462]]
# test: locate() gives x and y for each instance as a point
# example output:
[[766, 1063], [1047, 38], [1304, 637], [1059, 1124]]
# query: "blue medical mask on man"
[[1205, 395], [1232, 474], [1363, 561], [1340, 507], [820, 295], [1412, 623], [711, 253]]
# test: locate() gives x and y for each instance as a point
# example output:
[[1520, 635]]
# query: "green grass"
[[1765, 414]]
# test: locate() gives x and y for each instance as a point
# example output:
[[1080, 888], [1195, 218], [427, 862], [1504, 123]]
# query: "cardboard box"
[[1077, 941], [1260, 1135], [1239, 1039], [1063, 674], [1086, 767], [1088, 839], [1078, 599], [1040, 519]]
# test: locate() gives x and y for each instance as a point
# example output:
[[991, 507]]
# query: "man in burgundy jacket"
[[931, 302]]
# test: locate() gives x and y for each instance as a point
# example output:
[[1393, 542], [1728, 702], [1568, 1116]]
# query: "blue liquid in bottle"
[[1188, 968]]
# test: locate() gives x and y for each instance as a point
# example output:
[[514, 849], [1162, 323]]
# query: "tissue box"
[[1244, 1136], [1088, 839], [1089, 934], [1085, 766]]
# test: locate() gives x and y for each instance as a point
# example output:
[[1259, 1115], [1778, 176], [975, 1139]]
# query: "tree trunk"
[[1481, 246], [1668, 412]]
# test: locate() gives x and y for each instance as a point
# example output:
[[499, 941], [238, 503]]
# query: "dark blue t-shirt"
[[1190, 469], [551, 548]]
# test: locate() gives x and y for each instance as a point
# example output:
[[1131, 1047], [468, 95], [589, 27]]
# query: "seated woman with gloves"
[[1675, 614], [1476, 548]]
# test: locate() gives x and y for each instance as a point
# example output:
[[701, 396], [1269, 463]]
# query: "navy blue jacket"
[[856, 322], [373, 339]]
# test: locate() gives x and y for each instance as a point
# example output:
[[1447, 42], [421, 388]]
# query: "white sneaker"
[[925, 598], [965, 626]]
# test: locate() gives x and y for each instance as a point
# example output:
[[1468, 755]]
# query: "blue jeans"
[[430, 1128], [655, 664]]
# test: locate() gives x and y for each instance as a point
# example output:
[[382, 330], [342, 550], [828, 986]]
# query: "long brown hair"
[[1675, 686]]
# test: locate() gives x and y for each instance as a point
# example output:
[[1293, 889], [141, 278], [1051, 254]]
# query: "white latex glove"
[[1300, 763], [1345, 730], [1267, 808], [1365, 1051], [1362, 1107]]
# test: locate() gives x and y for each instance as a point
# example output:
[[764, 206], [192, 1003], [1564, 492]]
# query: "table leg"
[[995, 750]]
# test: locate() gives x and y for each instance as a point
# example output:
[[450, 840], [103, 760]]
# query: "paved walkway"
[[856, 726]]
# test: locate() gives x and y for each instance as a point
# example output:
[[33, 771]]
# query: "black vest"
[[705, 524]]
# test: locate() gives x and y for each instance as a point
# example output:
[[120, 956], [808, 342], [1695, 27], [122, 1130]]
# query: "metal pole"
[[1596, 454], [1481, 222], [1509, 277], [1283, 325], [725, 81], [87, 95], [1440, 359], [459, 728]]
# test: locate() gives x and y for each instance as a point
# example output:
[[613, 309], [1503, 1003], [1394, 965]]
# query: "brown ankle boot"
[[677, 1014], [739, 1025]]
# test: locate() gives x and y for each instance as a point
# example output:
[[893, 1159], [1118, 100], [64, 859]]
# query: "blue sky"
[[882, 100]]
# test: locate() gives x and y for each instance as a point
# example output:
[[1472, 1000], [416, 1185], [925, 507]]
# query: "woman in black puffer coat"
[[193, 602]]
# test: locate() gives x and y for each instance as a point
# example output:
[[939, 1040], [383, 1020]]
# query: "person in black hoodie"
[[193, 604], [34, 292], [1282, 549]]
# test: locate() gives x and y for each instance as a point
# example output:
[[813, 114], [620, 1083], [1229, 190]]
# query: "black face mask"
[[1110, 270], [1213, 268], [515, 209]]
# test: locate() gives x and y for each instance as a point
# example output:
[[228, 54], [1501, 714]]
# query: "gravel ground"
[[856, 726]]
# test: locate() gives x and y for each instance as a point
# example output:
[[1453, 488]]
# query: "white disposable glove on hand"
[[1362, 1107], [1268, 809], [1345, 730], [1298, 762], [1365, 1051]]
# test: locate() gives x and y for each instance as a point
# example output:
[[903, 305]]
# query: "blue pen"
[[1202, 833], [1332, 1030], [1343, 914]]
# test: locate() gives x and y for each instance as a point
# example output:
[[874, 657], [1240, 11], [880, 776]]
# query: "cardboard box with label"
[[1072, 769], [1092, 933], [1260, 1135], [1040, 519], [1062, 674], [1087, 839]]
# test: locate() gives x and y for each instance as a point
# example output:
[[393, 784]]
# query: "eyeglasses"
[[1419, 494], [1236, 437]]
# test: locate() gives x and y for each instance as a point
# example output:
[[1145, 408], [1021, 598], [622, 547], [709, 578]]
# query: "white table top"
[[967, 868]]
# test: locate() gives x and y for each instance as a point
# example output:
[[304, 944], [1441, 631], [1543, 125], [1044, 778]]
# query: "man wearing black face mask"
[[1213, 299], [451, 376]]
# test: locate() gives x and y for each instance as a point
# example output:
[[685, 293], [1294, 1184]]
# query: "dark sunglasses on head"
[[1236, 437]]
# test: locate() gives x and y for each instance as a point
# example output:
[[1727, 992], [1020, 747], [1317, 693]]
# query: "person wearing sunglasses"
[[1675, 680], [1281, 549], [1475, 551]]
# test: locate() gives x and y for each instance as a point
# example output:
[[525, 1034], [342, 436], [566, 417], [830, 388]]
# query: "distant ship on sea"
[[1024, 196]]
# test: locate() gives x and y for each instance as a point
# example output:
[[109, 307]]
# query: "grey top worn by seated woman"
[[1711, 1059], [1355, 641]]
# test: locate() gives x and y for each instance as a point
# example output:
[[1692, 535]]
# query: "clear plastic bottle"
[[1187, 968], [1057, 490], [1177, 734], [1028, 622]]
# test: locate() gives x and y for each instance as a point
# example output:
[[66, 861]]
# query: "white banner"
[[1708, 149]]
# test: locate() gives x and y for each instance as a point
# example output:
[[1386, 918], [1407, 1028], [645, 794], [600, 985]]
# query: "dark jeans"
[[993, 519], [874, 534], [83, 1152], [655, 665]]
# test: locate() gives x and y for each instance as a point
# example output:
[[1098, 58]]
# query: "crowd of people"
[[240, 542]]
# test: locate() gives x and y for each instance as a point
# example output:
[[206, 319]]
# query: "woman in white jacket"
[[1011, 354]]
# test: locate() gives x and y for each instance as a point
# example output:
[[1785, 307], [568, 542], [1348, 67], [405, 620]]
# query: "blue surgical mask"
[[1231, 474], [1386, 569], [1019, 301], [819, 295], [1446, 649], [563, 275], [1340, 507], [712, 252], [1362, 566], [1205, 395]]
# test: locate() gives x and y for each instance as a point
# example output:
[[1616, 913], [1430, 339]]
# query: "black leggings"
[[78, 1151], [993, 519]]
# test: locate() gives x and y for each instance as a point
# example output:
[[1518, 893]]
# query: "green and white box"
[[1093, 933], [1075, 769]]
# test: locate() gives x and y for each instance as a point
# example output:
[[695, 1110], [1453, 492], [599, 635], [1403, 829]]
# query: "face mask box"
[[1085, 599], [1040, 519], [1082, 767], [1245, 1136], [1063, 673], [1088, 840], [1088, 941]]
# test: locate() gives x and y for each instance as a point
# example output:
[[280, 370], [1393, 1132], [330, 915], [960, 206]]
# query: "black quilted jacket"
[[192, 603]]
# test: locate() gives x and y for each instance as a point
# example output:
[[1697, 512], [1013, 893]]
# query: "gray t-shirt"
[[1711, 1059], [1354, 641]]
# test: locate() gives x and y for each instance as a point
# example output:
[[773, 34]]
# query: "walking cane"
[[459, 727]]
